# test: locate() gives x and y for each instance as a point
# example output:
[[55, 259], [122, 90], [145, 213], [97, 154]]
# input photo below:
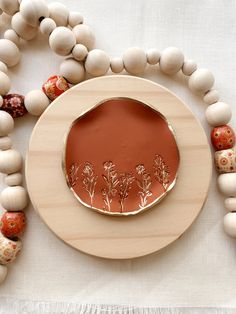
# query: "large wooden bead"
[[153, 56], [62, 41], [79, 52], [72, 70], [6, 123], [211, 97], [222, 137], [3, 67], [14, 179], [13, 224], [189, 67], [201, 81], [229, 224], [36, 102], [9, 6], [55, 86], [10, 161], [14, 198], [47, 26], [5, 143], [84, 36], [218, 113], [172, 60], [75, 18], [33, 11], [14, 105], [59, 13], [117, 65], [227, 184], [9, 250], [9, 53], [97, 62], [11, 35], [5, 83], [135, 60], [225, 160], [3, 273], [22, 29], [230, 204]]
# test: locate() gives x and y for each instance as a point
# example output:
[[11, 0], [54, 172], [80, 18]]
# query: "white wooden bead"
[[229, 224], [36, 102], [218, 114], [3, 68], [3, 273], [9, 6], [230, 204], [1, 101], [201, 81], [79, 52], [5, 143], [75, 18], [14, 179], [97, 62], [23, 30], [227, 184], [135, 60], [72, 70], [10, 161], [117, 65], [171, 61], [14, 198], [33, 11], [5, 83], [59, 13], [153, 56], [6, 122], [84, 35], [211, 97], [11, 35], [62, 40], [189, 67], [47, 26], [9, 53]]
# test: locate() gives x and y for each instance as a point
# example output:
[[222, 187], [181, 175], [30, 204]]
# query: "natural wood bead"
[[14, 179], [5, 84], [171, 61], [9, 6], [117, 65], [72, 70], [75, 18], [14, 198], [229, 224], [79, 52], [9, 250], [218, 113], [201, 81], [135, 60], [227, 184], [10, 161], [230, 204], [62, 40], [84, 35], [11, 35], [59, 13], [47, 26], [211, 97], [9, 53], [36, 102], [6, 123], [5, 143], [97, 62], [3, 273], [23, 30], [189, 67], [3, 68], [33, 11], [153, 56]]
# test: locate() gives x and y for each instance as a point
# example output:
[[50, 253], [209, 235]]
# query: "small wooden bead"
[[9, 6], [135, 60], [59, 13], [36, 102], [11, 35], [230, 204], [225, 160], [10, 161], [229, 224], [9, 52], [14, 105], [33, 11], [222, 137], [218, 113], [227, 184], [9, 250], [3, 67], [3, 273], [117, 65], [23, 30], [47, 26], [171, 61], [14, 179], [5, 83], [6, 123], [5, 143], [12, 224], [72, 70], [153, 56], [75, 18], [84, 36], [79, 52], [189, 67], [14, 198], [97, 62], [62, 41], [1, 101], [55, 86], [201, 81], [211, 97]]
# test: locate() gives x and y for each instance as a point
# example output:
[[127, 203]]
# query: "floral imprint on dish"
[[89, 180], [111, 181], [73, 174], [144, 183], [125, 185], [161, 171]]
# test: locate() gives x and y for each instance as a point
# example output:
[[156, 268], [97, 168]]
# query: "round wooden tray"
[[101, 235]]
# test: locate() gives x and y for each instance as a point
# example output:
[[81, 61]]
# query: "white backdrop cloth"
[[198, 270]]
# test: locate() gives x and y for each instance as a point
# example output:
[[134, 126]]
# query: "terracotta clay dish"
[[120, 157]]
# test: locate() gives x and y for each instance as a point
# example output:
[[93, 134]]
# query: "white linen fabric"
[[196, 271]]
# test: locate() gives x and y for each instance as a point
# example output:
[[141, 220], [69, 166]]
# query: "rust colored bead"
[[12, 224], [55, 86], [222, 137], [225, 160], [14, 105]]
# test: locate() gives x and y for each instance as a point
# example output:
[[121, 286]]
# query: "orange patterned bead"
[[222, 137], [55, 86], [12, 224]]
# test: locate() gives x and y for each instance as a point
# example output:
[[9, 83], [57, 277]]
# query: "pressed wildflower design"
[[125, 184], [73, 174], [89, 180], [112, 181], [161, 171], [144, 183]]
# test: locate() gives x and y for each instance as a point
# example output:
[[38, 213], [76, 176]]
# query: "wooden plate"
[[102, 235]]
